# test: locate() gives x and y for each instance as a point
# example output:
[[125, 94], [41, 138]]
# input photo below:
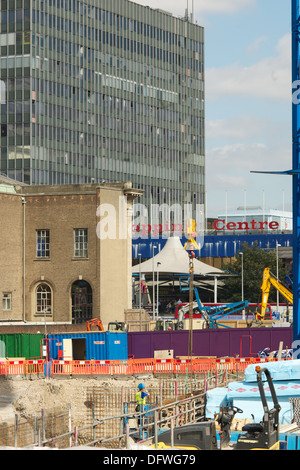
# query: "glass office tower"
[[102, 91]]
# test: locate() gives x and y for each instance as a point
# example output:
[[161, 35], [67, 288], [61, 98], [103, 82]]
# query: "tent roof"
[[174, 259]]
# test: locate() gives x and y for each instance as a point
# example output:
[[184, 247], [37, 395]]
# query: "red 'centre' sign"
[[220, 224]]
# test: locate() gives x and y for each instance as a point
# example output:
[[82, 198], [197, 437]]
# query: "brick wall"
[[61, 209], [11, 254]]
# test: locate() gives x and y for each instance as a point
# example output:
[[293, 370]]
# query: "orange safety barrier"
[[3, 368], [35, 367], [131, 366], [141, 366], [156, 366], [163, 366], [102, 367], [61, 367], [15, 367], [122, 367]]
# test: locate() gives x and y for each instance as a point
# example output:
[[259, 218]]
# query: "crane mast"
[[296, 167]]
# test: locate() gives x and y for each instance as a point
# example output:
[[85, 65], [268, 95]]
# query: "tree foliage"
[[255, 260]]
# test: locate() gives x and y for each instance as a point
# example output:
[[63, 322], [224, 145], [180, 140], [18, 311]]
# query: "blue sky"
[[248, 99]]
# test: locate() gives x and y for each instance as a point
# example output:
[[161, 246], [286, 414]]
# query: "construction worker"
[[140, 398]]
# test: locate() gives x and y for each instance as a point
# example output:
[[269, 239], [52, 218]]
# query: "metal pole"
[[16, 430], [93, 418], [296, 167], [140, 286], [155, 429], [242, 264], [75, 436], [157, 288], [277, 274], [43, 426], [153, 287], [122, 412], [127, 436], [24, 255], [172, 432], [191, 301], [70, 426], [36, 440]]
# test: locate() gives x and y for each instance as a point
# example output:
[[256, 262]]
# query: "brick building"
[[54, 265]]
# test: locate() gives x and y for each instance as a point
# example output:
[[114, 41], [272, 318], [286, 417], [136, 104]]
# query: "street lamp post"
[[242, 262], [140, 286], [157, 288], [277, 273]]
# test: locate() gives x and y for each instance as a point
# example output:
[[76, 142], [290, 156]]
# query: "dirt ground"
[[26, 397]]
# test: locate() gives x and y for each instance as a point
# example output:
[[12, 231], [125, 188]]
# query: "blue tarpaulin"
[[281, 370], [245, 395]]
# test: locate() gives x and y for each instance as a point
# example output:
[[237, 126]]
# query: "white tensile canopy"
[[174, 259]]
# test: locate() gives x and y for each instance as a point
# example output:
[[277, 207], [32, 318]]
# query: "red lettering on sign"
[[216, 222], [231, 226], [220, 224], [274, 225]]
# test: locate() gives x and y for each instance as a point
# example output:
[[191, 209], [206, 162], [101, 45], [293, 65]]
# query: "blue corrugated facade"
[[223, 246], [98, 346]]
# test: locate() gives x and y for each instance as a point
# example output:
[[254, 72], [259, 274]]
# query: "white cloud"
[[268, 78], [229, 167], [223, 6], [256, 44], [241, 128], [177, 7]]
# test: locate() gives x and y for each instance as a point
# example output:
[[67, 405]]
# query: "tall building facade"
[[103, 91]]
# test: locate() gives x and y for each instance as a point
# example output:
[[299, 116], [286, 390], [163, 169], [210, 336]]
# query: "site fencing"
[[127, 367]]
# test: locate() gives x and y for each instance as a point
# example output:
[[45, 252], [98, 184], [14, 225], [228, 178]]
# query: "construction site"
[[90, 359], [207, 378], [86, 405], [197, 376], [202, 377]]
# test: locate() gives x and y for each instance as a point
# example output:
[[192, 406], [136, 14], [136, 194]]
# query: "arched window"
[[82, 301], [43, 299]]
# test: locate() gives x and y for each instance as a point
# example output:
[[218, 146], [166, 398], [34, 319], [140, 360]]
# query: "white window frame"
[[42, 235], [6, 301], [43, 299], [80, 243]]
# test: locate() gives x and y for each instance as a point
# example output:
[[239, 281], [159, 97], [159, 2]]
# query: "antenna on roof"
[[186, 16]]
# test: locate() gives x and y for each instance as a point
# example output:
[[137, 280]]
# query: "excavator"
[[269, 279], [112, 326], [94, 322]]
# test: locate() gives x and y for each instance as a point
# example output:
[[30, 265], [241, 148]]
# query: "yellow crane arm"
[[268, 280]]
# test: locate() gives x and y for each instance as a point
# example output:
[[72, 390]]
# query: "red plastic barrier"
[[131, 366]]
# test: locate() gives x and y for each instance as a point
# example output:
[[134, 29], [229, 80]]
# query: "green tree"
[[255, 260]]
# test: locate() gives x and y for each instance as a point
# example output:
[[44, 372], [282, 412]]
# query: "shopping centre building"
[[224, 236]]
